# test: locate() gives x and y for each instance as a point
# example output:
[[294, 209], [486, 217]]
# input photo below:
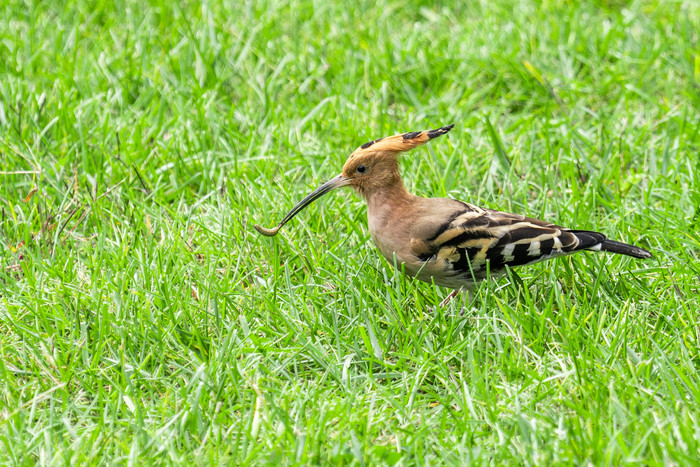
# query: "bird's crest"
[[401, 142]]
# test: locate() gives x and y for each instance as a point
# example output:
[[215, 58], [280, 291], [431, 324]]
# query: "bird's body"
[[445, 241]]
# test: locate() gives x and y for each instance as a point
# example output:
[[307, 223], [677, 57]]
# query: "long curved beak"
[[331, 184]]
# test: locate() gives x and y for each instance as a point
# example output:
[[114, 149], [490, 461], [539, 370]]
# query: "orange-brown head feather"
[[374, 165]]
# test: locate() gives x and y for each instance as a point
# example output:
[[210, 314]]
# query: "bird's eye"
[[361, 169]]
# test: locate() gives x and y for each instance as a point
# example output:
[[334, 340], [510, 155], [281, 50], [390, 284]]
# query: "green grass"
[[142, 319]]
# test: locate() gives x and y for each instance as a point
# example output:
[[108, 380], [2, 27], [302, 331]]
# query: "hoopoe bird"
[[444, 241]]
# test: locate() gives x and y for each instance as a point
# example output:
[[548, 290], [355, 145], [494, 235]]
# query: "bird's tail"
[[625, 249]]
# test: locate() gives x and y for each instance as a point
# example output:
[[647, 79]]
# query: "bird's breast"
[[388, 242], [390, 234]]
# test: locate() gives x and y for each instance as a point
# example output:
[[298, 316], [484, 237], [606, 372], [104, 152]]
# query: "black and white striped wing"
[[480, 242]]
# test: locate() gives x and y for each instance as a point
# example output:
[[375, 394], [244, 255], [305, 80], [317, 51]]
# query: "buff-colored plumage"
[[445, 241]]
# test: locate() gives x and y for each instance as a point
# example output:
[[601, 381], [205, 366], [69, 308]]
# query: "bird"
[[445, 241]]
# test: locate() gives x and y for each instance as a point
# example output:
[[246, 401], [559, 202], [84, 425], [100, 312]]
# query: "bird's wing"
[[474, 240]]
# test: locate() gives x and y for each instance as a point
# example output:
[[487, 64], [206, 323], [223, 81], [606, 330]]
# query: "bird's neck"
[[387, 209], [390, 196]]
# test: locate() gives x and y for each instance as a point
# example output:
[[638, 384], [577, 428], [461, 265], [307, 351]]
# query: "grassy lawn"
[[142, 319]]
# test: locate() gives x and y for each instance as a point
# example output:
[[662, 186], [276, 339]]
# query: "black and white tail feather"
[[624, 249], [596, 241]]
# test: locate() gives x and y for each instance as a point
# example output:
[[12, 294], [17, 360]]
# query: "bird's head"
[[374, 164], [369, 167]]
